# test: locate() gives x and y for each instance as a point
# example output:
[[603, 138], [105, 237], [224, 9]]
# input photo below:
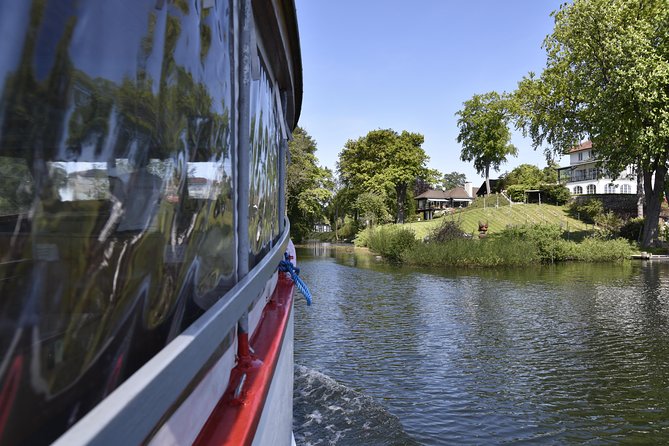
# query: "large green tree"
[[308, 186], [527, 174], [484, 133], [384, 161], [453, 180], [606, 79]]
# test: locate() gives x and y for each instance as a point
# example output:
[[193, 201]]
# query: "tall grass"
[[518, 246], [473, 253]]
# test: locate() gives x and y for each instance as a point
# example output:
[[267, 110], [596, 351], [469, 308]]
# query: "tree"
[[453, 180], [308, 186], [484, 133], [384, 161], [606, 79], [526, 174]]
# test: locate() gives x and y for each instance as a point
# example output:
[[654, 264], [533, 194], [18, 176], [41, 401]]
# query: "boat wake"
[[326, 412]]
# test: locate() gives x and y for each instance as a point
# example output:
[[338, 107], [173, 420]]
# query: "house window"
[[610, 188], [626, 189], [578, 190], [592, 189], [580, 156]]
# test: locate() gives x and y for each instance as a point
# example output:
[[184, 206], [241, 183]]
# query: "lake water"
[[565, 354]]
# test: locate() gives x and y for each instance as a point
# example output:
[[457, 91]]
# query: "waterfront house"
[[583, 176], [434, 200]]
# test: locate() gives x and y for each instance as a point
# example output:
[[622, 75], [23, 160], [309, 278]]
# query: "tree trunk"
[[487, 180], [401, 190], [654, 191]]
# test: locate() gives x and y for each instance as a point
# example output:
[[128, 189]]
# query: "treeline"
[[607, 80]]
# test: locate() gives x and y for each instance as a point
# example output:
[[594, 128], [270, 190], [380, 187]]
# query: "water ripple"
[[562, 354]]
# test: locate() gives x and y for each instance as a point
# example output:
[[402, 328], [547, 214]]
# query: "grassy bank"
[[516, 246], [500, 218]]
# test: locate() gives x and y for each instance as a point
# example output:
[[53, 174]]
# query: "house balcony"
[[568, 175]]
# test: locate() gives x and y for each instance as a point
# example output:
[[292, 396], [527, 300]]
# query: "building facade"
[[583, 176]]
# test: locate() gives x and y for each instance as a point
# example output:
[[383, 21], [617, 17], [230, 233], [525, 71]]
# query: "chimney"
[[468, 188]]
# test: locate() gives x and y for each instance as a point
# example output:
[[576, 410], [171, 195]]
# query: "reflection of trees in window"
[[16, 186]]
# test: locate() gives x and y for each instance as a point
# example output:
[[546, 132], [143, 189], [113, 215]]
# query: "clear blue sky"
[[409, 65]]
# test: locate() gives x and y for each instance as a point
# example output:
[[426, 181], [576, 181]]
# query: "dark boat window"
[[117, 200]]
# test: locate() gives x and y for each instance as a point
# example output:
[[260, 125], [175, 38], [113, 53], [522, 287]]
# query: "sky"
[[409, 65]]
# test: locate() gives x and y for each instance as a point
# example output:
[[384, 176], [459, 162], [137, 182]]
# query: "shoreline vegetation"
[[555, 237], [516, 246]]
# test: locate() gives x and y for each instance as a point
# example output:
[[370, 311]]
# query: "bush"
[[545, 238], [389, 241], [631, 230], [610, 224], [448, 230], [587, 211]]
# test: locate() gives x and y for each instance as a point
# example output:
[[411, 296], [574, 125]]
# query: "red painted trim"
[[234, 420], [9, 390]]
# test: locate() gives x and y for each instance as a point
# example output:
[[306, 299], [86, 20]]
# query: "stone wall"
[[623, 205]]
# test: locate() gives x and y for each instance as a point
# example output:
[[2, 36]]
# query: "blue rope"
[[287, 266]]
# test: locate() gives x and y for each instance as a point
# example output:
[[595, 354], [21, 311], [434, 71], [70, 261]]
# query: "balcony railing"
[[567, 176]]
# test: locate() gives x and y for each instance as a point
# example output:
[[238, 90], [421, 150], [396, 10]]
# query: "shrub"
[[448, 230], [389, 241], [587, 210], [631, 230], [554, 194], [610, 224]]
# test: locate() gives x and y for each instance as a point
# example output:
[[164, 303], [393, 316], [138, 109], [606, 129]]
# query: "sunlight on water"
[[556, 354]]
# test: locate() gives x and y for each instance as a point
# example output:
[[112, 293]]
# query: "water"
[[565, 354]]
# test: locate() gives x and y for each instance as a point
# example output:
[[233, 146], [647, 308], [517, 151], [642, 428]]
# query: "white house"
[[582, 176]]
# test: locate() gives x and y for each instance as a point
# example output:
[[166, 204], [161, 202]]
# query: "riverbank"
[[516, 246]]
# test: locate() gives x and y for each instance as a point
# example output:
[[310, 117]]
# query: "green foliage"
[[491, 252], [348, 230], [606, 79], [448, 230], [516, 192], [526, 174], [389, 241], [609, 224], [631, 230], [554, 194], [372, 208], [588, 211], [550, 245], [550, 193], [308, 186], [386, 162], [484, 132], [453, 180]]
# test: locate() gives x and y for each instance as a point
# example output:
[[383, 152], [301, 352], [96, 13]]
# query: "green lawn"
[[499, 218]]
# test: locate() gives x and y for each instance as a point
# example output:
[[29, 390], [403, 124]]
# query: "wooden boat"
[[142, 171]]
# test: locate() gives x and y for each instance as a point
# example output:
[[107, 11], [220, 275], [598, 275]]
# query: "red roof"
[[585, 146]]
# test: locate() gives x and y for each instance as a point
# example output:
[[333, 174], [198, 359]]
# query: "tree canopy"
[[384, 161], [453, 180], [530, 175], [484, 133], [606, 79], [308, 186]]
